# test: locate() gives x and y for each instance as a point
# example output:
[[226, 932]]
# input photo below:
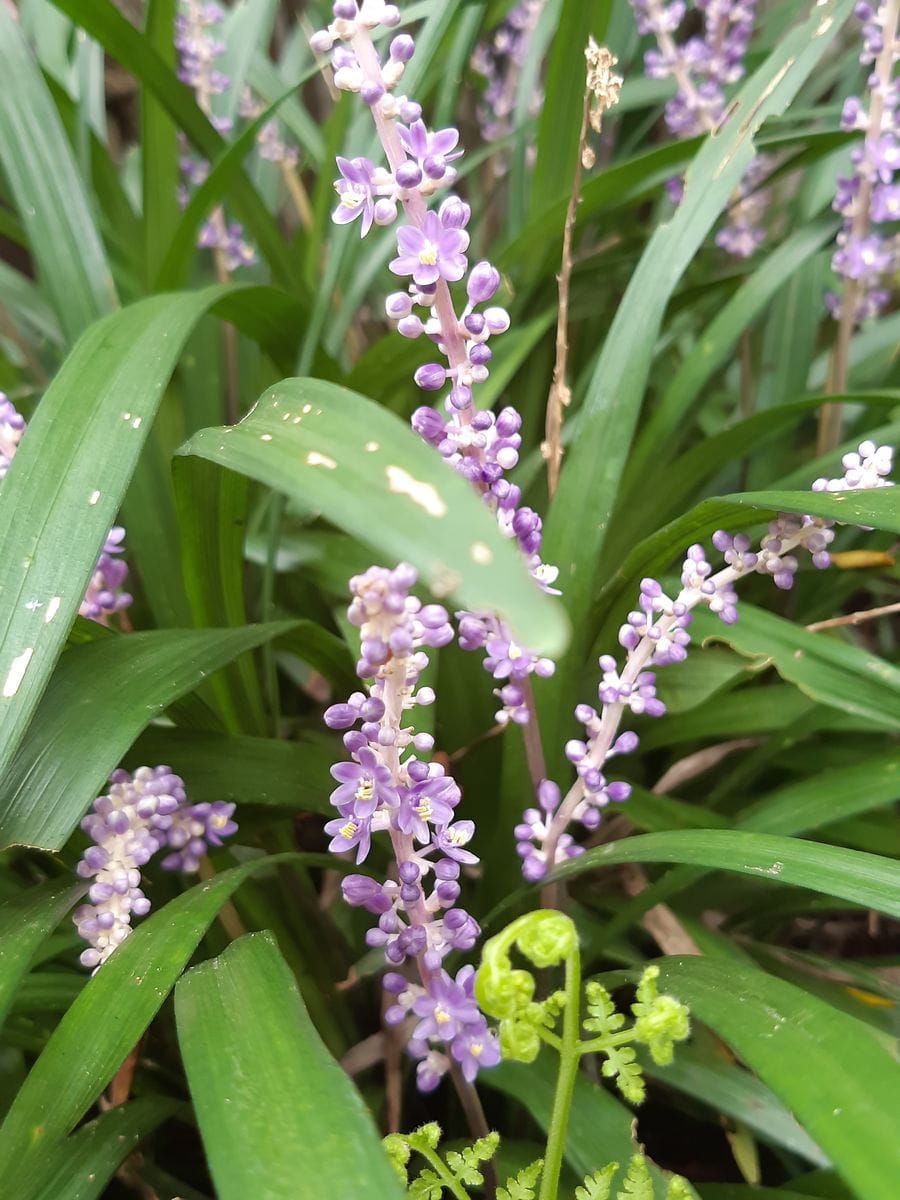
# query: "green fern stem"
[[569, 1058]]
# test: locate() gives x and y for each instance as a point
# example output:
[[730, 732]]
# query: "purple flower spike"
[[141, 814], [655, 632]]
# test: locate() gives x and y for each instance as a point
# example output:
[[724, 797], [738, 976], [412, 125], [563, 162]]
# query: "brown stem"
[[560, 395], [855, 618]]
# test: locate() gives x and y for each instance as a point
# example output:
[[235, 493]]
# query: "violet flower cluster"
[[387, 787], [199, 46], [140, 815], [868, 247], [500, 62], [655, 634], [105, 594], [432, 245], [703, 66]]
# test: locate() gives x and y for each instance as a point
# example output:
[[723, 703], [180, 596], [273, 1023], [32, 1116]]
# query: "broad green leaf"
[[273, 1106], [25, 921], [78, 736], [826, 1067], [825, 668], [86, 435], [579, 515], [87, 1047], [81, 1166], [865, 879], [48, 191], [364, 470], [244, 770]]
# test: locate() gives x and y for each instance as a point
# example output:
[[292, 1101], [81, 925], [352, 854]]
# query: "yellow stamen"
[[441, 1017], [348, 830], [428, 256]]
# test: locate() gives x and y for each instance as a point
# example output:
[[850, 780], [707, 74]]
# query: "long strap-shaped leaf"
[[865, 879], [826, 1067], [78, 736], [579, 516], [25, 921], [278, 1116], [104, 1023], [67, 480], [361, 467], [40, 167], [129, 47]]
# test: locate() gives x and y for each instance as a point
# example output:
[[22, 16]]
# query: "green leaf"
[[716, 344], [825, 1066], [727, 1088], [117, 1004], [212, 514], [25, 921], [159, 145], [78, 736], [273, 1106], [826, 669], [363, 469], [48, 191], [871, 782], [878, 507], [180, 249], [86, 436], [600, 1126], [244, 770], [559, 122], [129, 48], [579, 515], [865, 879], [81, 1166]]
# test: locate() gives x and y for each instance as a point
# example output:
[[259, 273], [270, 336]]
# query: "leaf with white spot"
[[363, 469]]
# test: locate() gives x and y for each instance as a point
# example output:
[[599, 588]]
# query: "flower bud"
[[483, 282]]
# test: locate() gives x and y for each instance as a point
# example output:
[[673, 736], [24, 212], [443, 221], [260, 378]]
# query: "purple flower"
[[451, 840], [364, 785], [429, 803], [474, 1048], [349, 830], [430, 253], [445, 1009], [356, 192]]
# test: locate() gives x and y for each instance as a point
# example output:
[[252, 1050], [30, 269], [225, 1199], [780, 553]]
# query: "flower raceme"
[[702, 67], [387, 787], [105, 594], [870, 197], [139, 815], [655, 634], [432, 255]]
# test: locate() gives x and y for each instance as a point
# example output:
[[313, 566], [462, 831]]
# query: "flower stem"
[[569, 1058]]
